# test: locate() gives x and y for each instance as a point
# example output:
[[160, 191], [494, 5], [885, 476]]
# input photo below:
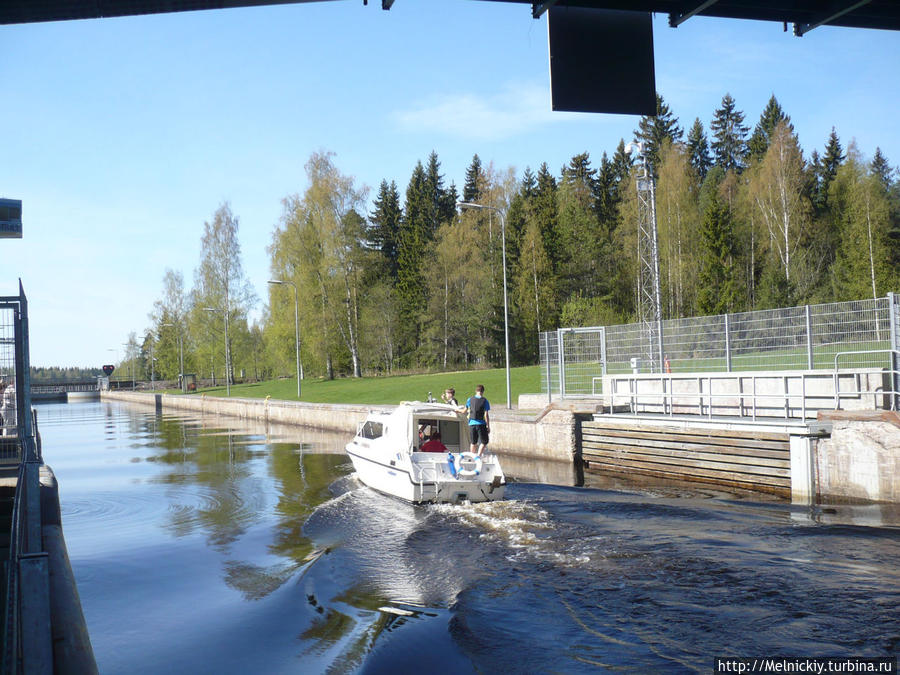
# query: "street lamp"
[[280, 282], [150, 337], [127, 346], [180, 355], [227, 357], [113, 349], [471, 205]]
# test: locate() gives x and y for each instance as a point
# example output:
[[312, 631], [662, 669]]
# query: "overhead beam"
[[678, 18], [838, 9], [538, 8], [387, 4]]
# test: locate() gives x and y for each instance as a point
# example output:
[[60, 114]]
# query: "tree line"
[[413, 281]]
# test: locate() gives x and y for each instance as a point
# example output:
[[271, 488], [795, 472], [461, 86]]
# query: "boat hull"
[[427, 480]]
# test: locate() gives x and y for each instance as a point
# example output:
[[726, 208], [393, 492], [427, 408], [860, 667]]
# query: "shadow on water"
[[252, 548]]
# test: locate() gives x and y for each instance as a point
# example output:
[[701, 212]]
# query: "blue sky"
[[122, 136]]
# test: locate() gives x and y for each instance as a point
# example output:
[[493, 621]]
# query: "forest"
[[413, 280]]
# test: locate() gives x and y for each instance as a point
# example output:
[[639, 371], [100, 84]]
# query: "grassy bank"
[[392, 390]]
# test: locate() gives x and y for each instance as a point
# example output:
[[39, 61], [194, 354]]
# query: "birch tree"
[[220, 285], [677, 221], [862, 265], [776, 190], [169, 317], [320, 240]]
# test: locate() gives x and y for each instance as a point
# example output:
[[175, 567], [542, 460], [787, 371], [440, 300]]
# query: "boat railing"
[[424, 467]]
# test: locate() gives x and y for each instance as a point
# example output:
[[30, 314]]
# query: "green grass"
[[392, 390]]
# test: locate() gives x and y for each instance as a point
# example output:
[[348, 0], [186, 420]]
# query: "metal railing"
[[891, 392], [802, 394], [27, 645], [792, 338], [63, 387]]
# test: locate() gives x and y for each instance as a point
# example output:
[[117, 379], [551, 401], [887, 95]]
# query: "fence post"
[[727, 346], [562, 364], [894, 319], [661, 354], [809, 346], [603, 349], [547, 356]]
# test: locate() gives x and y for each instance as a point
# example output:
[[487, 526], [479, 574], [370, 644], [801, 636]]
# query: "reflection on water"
[[205, 545]]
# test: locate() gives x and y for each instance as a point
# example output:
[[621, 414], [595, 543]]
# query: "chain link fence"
[[854, 334]]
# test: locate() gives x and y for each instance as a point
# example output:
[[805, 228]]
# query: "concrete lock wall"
[[860, 461], [548, 435]]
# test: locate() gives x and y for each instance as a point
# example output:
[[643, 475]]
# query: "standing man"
[[479, 420]]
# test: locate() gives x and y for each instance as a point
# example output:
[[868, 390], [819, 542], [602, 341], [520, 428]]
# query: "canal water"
[[204, 548]]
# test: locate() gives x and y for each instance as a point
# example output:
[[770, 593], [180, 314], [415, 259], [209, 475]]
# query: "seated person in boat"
[[425, 427], [434, 445]]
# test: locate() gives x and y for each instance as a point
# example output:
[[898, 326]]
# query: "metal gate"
[[574, 361]]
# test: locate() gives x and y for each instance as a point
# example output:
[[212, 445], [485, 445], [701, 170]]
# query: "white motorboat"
[[386, 455]]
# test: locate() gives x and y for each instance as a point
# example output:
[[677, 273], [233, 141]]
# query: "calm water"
[[199, 549]]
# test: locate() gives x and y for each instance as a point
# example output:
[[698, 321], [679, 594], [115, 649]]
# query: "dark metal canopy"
[[803, 14], [601, 51]]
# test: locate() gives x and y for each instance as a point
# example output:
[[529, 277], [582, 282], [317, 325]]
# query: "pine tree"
[[698, 147], [384, 226], [831, 161], [729, 135], [653, 130], [882, 169], [622, 162], [607, 193], [578, 172], [545, 213], [814, 181], [528, 186], [578, 227], [442, 206], [718, 270], [411, 288], [476, 180], [770, 118]]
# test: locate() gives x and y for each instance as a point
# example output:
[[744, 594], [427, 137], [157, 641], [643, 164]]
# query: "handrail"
[[865, 351], [705, 400], [894, 391]]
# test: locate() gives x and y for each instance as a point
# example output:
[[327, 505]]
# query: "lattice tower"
[[649, 303]]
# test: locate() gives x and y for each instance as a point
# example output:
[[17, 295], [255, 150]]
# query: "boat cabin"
[[413, 424], [450, 430]]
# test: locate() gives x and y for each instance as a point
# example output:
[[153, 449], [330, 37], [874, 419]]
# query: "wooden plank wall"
[[746, 459]]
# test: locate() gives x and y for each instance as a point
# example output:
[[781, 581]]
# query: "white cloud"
[[513, 110]]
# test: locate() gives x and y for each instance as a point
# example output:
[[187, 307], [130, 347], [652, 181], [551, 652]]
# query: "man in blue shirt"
[[479, 420]]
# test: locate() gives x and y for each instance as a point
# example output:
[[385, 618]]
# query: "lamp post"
[[471, 205], [281, 282], [180, 355], [127, 346], [151, 336], [227, 358], [113, 349]]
